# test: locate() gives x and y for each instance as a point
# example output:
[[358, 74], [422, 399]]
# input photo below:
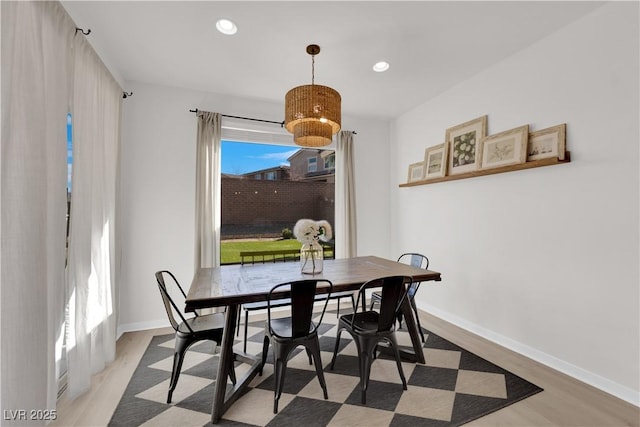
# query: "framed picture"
[[462, 141], [504, 148], [416, 172], [435, 161], [549, 142]]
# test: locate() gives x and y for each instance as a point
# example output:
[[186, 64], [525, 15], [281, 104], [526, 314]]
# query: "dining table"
[[230, 286]]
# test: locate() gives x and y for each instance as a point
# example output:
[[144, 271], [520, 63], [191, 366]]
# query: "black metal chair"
[[188, 331], [258, 257], [262, 305], [297, 329], [368, 328], [416, 260]]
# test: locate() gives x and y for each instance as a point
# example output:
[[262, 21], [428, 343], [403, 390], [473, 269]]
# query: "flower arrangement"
[[308, 231]]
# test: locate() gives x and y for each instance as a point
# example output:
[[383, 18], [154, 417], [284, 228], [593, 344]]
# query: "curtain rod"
[[247, 118], [255, 120]]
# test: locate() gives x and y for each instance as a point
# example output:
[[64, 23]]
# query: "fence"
[[254, 208]]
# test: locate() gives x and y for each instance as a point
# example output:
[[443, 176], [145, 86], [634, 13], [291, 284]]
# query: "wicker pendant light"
[[312, 112]]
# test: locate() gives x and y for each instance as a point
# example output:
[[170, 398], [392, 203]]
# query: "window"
[[255, 215], [69, 173], [258, 176], [62, 380], [312, 164], [330, 161]]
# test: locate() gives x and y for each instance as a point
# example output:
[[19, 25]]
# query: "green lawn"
[[230, 250]]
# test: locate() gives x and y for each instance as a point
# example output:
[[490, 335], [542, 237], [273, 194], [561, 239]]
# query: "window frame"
[[310, 167]]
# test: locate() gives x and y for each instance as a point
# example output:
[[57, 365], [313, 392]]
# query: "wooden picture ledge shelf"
[[528, 165]]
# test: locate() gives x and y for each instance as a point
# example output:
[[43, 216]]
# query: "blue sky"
[[243, 157]]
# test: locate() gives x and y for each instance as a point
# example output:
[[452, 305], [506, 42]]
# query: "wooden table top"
[[239, 284]]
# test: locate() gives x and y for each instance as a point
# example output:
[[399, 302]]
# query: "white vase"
[[311, 258]]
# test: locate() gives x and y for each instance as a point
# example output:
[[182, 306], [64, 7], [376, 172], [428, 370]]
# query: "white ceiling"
[[430, 45]]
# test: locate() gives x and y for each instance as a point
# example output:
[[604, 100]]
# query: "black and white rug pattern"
[[453, 387]]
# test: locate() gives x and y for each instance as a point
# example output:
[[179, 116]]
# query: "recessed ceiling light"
[[381, 66], [226, 26]]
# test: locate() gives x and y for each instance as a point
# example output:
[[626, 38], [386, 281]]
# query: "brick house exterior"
[[309, 164], [278, 173]]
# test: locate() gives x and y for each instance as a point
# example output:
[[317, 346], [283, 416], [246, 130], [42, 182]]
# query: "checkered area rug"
[[453, 387]]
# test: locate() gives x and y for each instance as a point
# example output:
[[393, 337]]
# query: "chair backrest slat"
[[302, 294], [393, 291], [302, 298]]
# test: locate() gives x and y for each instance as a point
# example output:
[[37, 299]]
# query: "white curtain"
[[91, 269], [36, 52], [346, 243], [207, 239]]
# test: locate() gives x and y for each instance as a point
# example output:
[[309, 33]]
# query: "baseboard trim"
[[618, 390], [142, 326]]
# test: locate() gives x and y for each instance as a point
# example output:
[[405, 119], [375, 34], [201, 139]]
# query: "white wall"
[[544, 261], [158, 189]]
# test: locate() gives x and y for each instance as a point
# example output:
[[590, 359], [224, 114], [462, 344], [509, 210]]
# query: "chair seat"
[[363, 323], [282, 327], [203, 324]]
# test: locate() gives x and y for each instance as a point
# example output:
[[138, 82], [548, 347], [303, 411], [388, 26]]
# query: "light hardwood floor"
[[564, 402]]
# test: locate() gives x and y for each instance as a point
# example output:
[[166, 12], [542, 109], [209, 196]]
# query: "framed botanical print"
[[549, 142], [462, 141], [435, 161], [416, 172], [504, 148]]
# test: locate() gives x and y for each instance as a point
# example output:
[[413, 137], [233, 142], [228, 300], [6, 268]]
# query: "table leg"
[[222, 401], [412, 328], [226, 358], [415, 353]]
